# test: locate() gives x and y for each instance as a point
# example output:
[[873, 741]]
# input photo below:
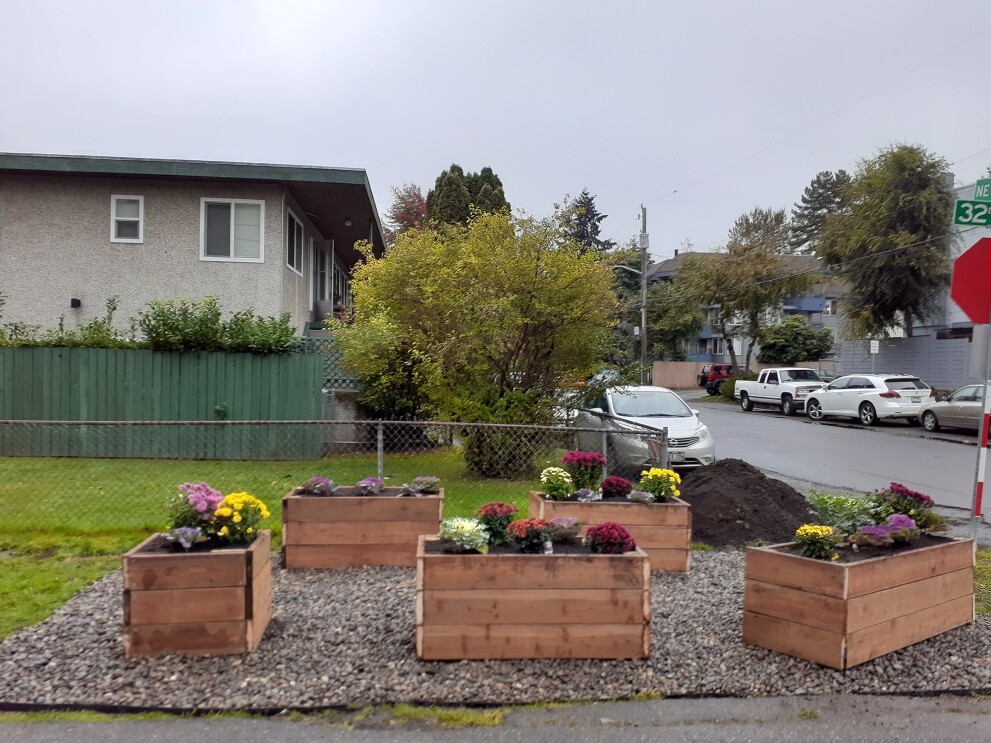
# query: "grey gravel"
[[342, 637]]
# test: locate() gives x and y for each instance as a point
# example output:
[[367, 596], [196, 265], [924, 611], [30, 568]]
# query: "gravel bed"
[[347, 637]]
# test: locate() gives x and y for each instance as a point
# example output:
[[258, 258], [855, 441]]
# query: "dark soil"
[[848, 554], [434, 547], [734, 503], [342, 491]]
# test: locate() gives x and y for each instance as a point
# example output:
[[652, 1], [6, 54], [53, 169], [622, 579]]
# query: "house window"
[[294, 244], [127, 219], [232, 230]]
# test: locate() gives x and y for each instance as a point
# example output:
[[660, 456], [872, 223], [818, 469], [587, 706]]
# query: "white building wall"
[[55, 245]]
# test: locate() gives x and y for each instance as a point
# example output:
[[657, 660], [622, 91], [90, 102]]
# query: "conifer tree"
[[822, 197]]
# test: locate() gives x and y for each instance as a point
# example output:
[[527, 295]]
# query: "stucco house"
[[274, 238]]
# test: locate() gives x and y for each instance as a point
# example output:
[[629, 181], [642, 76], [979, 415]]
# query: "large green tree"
[[456, 193], [673, 319], [582, 223], [498, 311], [892, 240], [744, 286], [822, 197]]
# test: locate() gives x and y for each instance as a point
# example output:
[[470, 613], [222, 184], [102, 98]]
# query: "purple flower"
[[186, 535], [370, 485], [204, 499], [875, 531]]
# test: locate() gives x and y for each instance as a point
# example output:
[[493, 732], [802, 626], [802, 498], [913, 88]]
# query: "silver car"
[[962, 409], [629, 413]]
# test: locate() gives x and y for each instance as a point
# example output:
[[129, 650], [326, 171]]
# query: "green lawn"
[[67, 520]]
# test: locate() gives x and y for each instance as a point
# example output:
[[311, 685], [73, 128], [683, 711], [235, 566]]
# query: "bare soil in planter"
[[356, 492], [560, 548], [867, 552], [735, 504], [162, 546]]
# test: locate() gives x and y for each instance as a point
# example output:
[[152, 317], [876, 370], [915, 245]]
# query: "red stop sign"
[[971, 285]]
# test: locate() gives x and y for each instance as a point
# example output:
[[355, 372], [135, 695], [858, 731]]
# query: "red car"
[[712, 376]]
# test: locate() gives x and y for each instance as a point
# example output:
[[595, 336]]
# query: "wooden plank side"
[[193, 570], [906, 630], [674, 513], [308, 556], [185, 605], [882, 606], [548, 606], [811, 643], [769, 565], [669, 560], [367, 509], [260, 606], [202, 638], [909, 566], [533, 571], [793, 605], [667, 537], [479, 642], [361, 532]]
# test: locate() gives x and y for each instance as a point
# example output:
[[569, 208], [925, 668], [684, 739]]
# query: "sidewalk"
[[769, 720]]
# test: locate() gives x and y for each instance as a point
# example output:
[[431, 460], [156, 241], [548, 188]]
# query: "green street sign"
[[973, 213], [982, 190]]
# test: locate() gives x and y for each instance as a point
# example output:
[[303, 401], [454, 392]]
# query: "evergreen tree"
[[891, 242], [582, 222], [456, 193], [448, 200], [822, 197]]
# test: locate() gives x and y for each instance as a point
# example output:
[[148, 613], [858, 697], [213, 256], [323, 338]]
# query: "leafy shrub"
[[182, 324], [897, 498]]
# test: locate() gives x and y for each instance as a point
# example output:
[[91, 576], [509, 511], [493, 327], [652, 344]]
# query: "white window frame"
[[232, 258], [114, 219], [300, 246]]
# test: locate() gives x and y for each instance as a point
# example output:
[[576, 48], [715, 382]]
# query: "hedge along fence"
[[94, 384]]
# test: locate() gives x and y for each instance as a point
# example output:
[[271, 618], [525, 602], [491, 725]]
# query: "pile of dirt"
[[734, 503]]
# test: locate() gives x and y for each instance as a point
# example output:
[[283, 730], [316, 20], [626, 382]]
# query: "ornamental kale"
[[468, 535], [422, 485], [899, 499], [370, 485], [899, 528], [317, 486]]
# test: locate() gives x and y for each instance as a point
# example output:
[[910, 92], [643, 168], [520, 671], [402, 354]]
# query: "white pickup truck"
[[786, 388]]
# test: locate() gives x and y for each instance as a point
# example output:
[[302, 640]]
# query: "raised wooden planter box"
[[471, 606], [843, 614], [197, 603], [347, 532], [662, 530]]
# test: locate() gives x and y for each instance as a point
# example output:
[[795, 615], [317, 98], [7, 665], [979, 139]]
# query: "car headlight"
[[702, 432]]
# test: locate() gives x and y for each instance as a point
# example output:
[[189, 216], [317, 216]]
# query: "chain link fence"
[[90, 477]]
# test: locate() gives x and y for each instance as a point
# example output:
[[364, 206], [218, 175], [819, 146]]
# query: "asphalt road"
[[846, 456]]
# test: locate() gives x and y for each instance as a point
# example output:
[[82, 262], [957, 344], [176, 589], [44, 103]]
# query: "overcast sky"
[[700, 111]]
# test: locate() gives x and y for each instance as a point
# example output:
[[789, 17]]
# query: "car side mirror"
[[595, 410], [696, 413]]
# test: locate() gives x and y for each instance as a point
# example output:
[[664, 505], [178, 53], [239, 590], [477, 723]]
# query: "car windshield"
[[799, 375], [649, 404]]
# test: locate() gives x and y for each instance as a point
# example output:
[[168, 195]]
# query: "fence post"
[[380, 445], [605, 454]]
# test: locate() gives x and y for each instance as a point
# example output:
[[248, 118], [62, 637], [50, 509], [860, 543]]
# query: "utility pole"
[[643, 294]]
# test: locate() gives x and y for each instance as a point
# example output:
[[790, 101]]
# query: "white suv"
[[871, 397]]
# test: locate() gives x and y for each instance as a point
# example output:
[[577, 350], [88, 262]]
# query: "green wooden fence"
[[87, 384]]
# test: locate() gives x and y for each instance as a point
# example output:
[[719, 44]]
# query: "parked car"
[[962, 409], [713, 373], [871, 397], [628, 414], [785, 388], [718, 374]]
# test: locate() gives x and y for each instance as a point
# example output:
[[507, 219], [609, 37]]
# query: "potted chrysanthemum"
[[530, 589], [651, 509], [204, 586], [869, 578], [326, 525]]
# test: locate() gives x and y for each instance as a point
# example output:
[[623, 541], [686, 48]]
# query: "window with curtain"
[[294, 244], [232, 230]]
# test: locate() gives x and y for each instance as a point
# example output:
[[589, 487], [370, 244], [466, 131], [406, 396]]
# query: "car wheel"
[[746, 404], [712, 389], [868, 415], [930, 422], [787, 405], [814, 410]]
